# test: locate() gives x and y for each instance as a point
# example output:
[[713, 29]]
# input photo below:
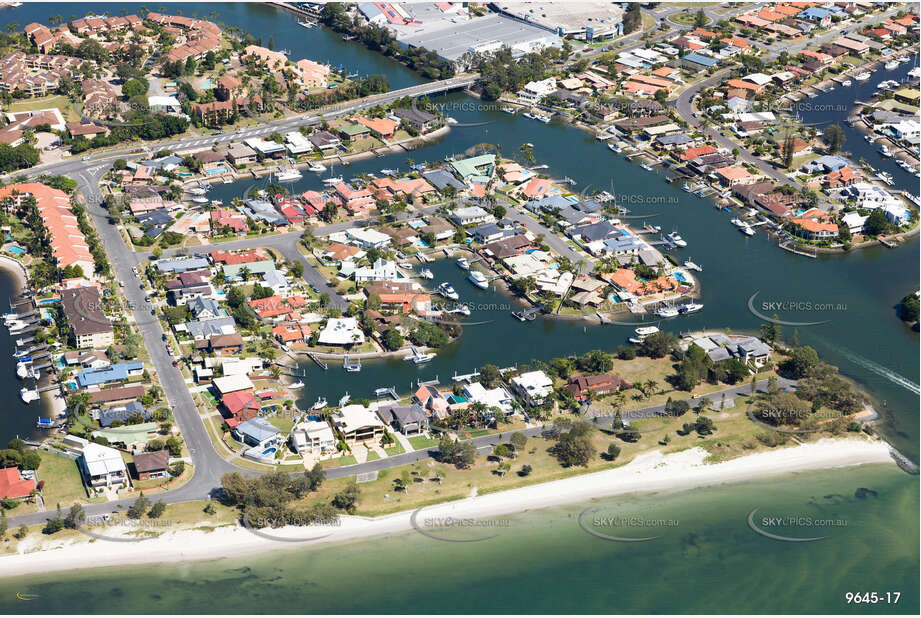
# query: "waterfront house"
[[735, 175], [408, 420], [431, 399], [102, 466], [583, 387], [497, 397], [420, 120], [471, 215], [324, 140], [113, 373], [148, 466], [13, 486], [241, 405], [405, 297], [132, 410], [380, 270], [231, 384], [367, 238], [533, 386], [241, 154], [357, 423], [314, 437], [341, 332], [83, 311]]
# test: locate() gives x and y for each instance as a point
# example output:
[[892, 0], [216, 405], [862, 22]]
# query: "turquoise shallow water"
[[707, 559]]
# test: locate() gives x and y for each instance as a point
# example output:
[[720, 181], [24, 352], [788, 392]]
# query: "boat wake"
[[880, 370]]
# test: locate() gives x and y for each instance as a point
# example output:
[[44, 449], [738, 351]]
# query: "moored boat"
[[478, 279]]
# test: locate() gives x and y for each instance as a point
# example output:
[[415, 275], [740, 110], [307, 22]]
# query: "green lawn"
[[396, 449], [281, 423], [421, 442], [346, 460], [63, 483], [373, 456]]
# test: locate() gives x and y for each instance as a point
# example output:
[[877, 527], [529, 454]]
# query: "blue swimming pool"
[[681, 277], [217, 170], [269, 451], [15, 250]]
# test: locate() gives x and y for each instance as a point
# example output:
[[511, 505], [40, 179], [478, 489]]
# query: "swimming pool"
[[15, 250], [269, 451], [680, 277]]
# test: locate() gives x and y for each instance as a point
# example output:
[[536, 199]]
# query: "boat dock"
[[316, 360], [466, 377], [388, 391]]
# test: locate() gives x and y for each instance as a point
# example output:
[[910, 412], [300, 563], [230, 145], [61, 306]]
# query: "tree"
[[489, 375], [157, 509], [574, 447], [392, 339], [657, 345], [140, 506], [518, 440], [787, 152], [4, 525], [802, 359], [633, 18], [613, 451], [525, 470], [346, 499], [700, 19], [833, 136], [75, 517], [134, 87], [876, 223]]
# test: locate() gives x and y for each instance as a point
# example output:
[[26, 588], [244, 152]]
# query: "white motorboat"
[[297, 384], [197, 191], [451, 120], [317, 167], [737, 222], [666, 311], [332, 180], [425, 273], [508, 109], [288, 175], [306, 24], [747, 230], [419, 357], [448, 291], [689, 308], [200, 200], [478, 279], [16, 325], [884, 150], [462, 309], [23, 370], [463, 263], [405, 265], [28, 395], [635, 340], [389, 172], [892, 65], [645, 331], [614, 147], [692, 266], [862, 77], [677, 240], [846, 83], [319, 404]]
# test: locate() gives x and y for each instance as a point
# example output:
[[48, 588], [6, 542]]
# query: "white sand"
[[648, 472]]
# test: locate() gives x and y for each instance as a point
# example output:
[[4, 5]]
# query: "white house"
[[381, 270], [358, 423], [493, 397], [164, 104], [367, 238], [102, 466], [535, 91], [533, 386], [277, 281], [313, 437], [341, 331], [854, 222]]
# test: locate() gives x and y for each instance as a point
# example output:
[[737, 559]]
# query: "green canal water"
[[711, 561], [706, 560]]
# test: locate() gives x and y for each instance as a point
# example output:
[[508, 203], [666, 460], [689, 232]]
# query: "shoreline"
[[648, 473], [50, 402]]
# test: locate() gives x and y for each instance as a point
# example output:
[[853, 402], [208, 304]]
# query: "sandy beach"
[[650, 472]]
